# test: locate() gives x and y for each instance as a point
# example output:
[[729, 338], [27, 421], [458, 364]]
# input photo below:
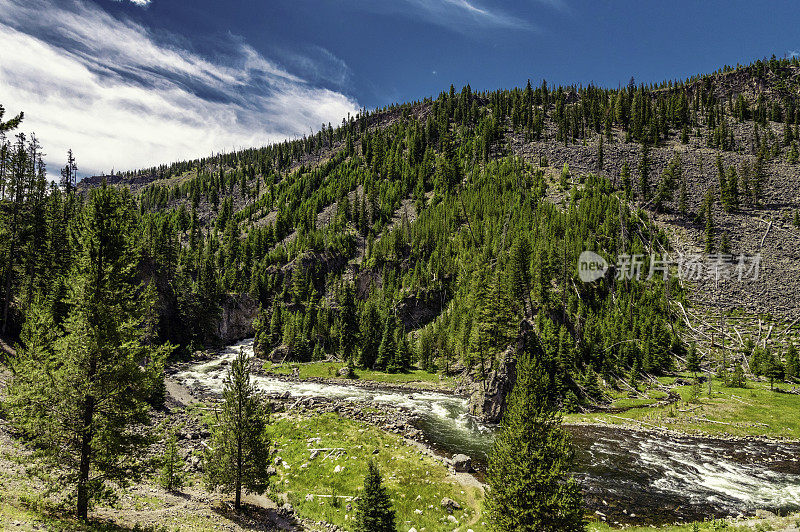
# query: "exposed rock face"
[[236, 319], [488, 399], [419, 309]]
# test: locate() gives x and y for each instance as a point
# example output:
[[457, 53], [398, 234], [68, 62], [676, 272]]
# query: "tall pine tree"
[[528, 474]]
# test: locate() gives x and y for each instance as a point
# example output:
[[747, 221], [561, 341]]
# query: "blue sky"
[[132, 83]]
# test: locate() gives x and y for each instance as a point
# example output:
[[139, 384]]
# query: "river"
[[628, 476]]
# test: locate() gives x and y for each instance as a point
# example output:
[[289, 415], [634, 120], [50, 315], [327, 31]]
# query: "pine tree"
[[644, 172], [633, 379], [519, 275], [171, 474], [388, 347], [79, 396], [625, 178], [402, 359], [69, 174], [692, 359], [793, 155], [374, 511], [724, 243], [528, 472], [370, 334], [683, 198], [708, 206], [348, 323], [494, 329], [792, 362], [600, 153], [774, 369], [10, 124], [239, 452]]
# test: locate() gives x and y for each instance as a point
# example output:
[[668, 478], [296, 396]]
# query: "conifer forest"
[[552, 307]]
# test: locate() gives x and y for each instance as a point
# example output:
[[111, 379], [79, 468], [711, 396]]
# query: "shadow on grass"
[[252, 517]]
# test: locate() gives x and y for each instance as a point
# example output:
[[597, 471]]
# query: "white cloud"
[[318, 64], [466, 15], [457, 12], [140, 3], [121, 98]]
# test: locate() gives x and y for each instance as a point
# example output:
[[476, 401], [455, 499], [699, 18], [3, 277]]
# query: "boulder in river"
[[462, 463]]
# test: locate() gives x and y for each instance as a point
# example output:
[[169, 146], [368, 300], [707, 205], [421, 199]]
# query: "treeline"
[[418, 206]]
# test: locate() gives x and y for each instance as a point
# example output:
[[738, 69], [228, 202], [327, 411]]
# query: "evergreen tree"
[[774, 369], [494, 329], [683, 198], [693, 359], [171, 474], [528, 473], [10, 124], [348, 323], [402, 359], [625, 178], [69, 174], [79, 396], [636, 369], [374, 511], [644, 172], [792, 157], [708, 206], [370, 334], [600, 153], [792, 362], [239, 452], [388, 347]]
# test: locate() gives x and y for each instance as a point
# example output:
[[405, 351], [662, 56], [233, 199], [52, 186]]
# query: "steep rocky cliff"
[[236, 318]]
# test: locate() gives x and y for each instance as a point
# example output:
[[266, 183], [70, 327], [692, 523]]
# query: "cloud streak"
[[123, 98], [140, 3], [465, 15]]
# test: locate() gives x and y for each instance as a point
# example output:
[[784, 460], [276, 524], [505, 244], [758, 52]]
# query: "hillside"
[[382, 199], [391, 267]]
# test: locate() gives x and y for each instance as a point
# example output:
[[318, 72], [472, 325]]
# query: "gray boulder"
[[462, 463]]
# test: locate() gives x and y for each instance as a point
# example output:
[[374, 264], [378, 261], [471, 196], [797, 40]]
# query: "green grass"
[[414, 481], [754, 525], [751, 411], [26, 513], [329, 370]]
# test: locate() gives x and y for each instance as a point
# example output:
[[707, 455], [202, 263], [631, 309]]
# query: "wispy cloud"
[[140, 3], [318, 64], [465, 14], [122, 97]]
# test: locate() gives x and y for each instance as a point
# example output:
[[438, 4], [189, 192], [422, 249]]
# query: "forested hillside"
[[441, 233]]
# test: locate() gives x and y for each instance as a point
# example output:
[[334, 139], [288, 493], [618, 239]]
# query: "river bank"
[[667, 476]]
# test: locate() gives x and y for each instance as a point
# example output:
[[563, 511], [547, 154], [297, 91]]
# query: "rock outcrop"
[[487, 397], [236, 318]]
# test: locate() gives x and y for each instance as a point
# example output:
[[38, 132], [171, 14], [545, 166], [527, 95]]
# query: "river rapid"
[[627, 476]]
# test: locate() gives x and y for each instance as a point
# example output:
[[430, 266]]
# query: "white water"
[[662, 477]]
